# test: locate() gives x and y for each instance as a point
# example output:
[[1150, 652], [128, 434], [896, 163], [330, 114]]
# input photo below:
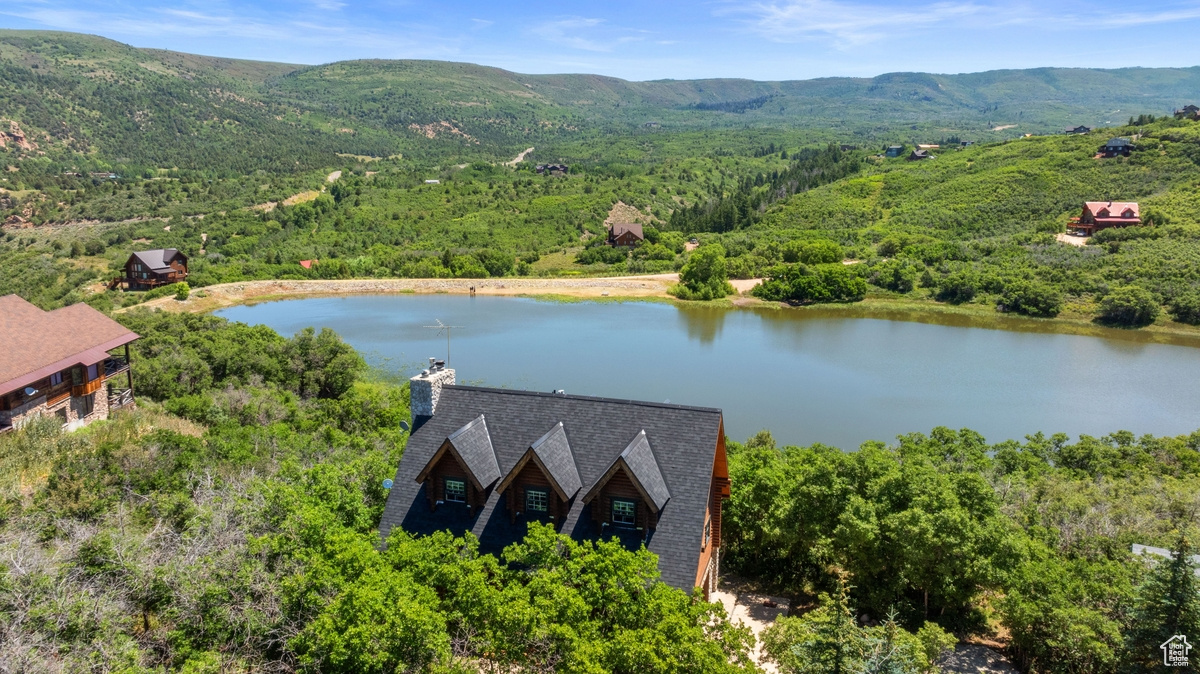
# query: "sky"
[[651, 39]]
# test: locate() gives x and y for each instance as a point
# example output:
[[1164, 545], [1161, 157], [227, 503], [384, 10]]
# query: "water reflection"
[[703, 323]]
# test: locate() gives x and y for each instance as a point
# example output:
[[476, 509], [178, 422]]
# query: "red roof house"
[[1098, 215]]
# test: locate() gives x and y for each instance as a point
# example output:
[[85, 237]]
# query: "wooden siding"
[[448, 466], [532, 477], [620, 487]]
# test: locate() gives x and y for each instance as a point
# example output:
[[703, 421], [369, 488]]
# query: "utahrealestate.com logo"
[[1175, 651]]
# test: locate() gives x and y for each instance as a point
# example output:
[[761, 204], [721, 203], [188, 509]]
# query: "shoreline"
[[653, 288]]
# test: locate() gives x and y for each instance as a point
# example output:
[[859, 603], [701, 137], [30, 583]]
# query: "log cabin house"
[[152, 268], [1188, 112], [57, 363], [1098, 215], [1078, 130], [490, 461], [625, 234]]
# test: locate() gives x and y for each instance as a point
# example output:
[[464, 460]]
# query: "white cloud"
[[849, 24], [569, 33]]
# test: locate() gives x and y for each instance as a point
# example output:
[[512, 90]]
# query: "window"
[[93, 372], [456, 491], [87, 404], [624, 512], [56, 379], [536, 501], [707, 533]]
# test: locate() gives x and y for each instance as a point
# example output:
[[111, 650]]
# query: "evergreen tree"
[[1168, 605]]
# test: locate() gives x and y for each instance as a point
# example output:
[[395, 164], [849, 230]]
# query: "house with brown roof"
[[1116, 147], [625, 234], [152, 268], [491, 461], [1188, 112], [1098, 215], [920, 155], [58, 364]]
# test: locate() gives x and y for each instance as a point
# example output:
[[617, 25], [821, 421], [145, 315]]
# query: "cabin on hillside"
[[491, 461], [1098, 215], [893, 151], [1078, 131], [1117, 147], [552, 169], [152, 268], [57, 364], [625, 234], [1188, 112], [920, 155]]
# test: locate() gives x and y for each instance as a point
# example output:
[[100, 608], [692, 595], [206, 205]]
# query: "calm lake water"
[[807, 376]]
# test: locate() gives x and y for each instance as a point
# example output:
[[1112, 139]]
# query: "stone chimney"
[[425, 390]]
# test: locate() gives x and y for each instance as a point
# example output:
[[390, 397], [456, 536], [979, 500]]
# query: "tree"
[[820, 283], [825, 640], [1129, 306], [1186, 308], [1168, 604], [705, 276]]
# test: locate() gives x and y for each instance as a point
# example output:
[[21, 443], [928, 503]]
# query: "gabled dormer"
[[632, 492], [543, 482], [463, 468]]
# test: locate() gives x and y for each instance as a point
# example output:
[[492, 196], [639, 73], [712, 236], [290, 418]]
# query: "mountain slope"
[[79, 97]]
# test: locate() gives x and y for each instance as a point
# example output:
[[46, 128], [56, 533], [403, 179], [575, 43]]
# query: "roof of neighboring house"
[[1118, 142], [39, 343], [307, 264], [158, 259], [619, 228], [1115, 209], [1139, 549], [674, 465]]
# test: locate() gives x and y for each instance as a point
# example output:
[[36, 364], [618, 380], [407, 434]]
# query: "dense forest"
[[229, 524]]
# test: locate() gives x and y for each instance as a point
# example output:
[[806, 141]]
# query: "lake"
[[806, 376]]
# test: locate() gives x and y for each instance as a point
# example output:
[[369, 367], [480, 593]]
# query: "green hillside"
[[84, 98]]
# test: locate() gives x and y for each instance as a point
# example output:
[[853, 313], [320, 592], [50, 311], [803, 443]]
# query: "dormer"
[[544, 481], [1127, 213], [632, 493], [463, 468]]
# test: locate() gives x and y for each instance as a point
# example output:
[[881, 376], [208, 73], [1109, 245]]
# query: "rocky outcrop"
[[16, 138]]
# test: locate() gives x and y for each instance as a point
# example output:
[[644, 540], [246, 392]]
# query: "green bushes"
[[704, 276], [895, 275], [1031, 299], [1128, 306], [1186, 308], [812, 252], [803, 284], [182, 291], [957, 288]]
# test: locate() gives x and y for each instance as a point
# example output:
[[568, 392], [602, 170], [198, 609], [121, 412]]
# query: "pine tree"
[[1168, 604]]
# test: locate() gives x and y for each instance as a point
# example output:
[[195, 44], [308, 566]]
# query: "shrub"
[[1129, 306], [821, 283], [812, 252], [704, 276], [182, 291], [1186, 308], [957, 288], [1031, 299], [894, 275]]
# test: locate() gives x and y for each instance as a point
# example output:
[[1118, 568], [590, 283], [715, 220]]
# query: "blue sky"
[[759, 39]]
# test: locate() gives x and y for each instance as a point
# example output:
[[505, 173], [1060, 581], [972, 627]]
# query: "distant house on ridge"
[[625, 234], [1098, 215], [893, 151], [151, 268], [1188, 112], [918, 155], [1117, 147], [1079, 131]]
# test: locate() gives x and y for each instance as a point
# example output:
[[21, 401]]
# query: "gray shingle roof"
[[640, 459], [158, 259], [684, 441], [474, 446], [553, 450]]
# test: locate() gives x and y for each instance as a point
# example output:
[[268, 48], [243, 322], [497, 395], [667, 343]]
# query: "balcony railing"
[[115, 365], [119, 399]]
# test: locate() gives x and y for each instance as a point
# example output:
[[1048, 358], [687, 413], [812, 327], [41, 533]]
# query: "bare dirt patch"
[[1071, 240], [332, 177], [1003, 127], [622, 212], [433, 130], [975, 659], [310, 195], [519, 158]]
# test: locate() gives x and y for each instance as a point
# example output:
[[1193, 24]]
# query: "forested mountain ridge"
[[91, 97]]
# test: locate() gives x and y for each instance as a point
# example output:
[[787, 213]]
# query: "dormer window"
[[537, 500], [624, 513], [456, 490], [707, 532]]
